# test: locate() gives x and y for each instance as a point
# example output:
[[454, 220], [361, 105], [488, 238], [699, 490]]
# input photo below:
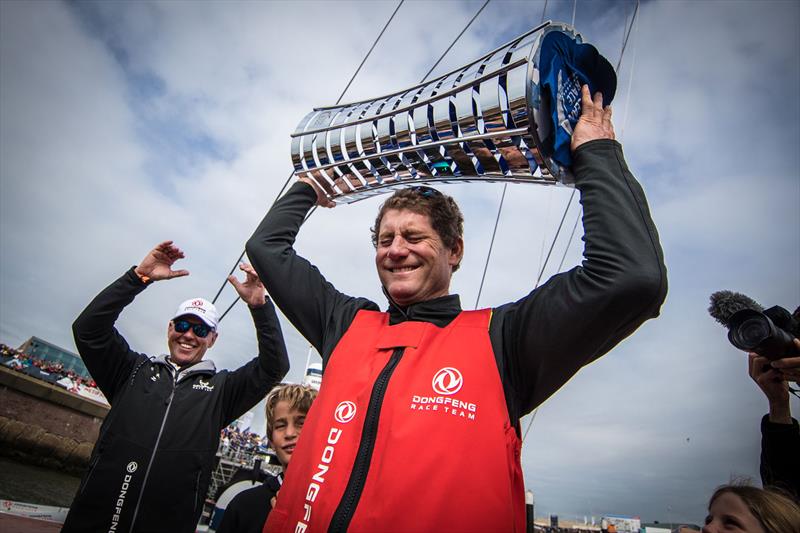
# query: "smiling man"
[[152, 462], [416, 427]]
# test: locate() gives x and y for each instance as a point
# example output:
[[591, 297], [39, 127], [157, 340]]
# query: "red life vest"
[[411, 427]]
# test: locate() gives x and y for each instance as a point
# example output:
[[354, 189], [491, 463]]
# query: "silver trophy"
[[503, 117]]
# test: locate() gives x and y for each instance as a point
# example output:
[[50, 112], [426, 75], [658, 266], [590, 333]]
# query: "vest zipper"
[[153, 455], [355, 485]]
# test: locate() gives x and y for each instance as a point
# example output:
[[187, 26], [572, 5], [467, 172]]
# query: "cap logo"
[[447, 381], [345, 412], [132, 466]]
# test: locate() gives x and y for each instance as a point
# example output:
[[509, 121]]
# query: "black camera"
[[769, 334]]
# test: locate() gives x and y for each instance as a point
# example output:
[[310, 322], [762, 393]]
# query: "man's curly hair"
[[443, 212]]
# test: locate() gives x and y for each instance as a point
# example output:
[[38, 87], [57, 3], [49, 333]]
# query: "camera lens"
[[752, 332]]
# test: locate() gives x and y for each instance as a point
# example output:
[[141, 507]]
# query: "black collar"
[[439, 311]]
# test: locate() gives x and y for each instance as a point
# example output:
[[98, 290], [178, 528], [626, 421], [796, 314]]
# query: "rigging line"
[[574, 10], [530, 423], [625, 25], [370, 51], [555, 238], [491, 246], [630, 84], [627, 35], [229, 308], [544, 10], [310, 213], [569, 240], [288, 179], [241, 256], [545, 222], [455, 41]]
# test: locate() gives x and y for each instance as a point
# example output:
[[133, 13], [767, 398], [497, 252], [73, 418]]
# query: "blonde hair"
[[298, 397], [774, 510]]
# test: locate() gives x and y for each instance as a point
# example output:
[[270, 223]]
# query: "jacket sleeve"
[[247, 385], [577, 316], [313, 305], [780, 455], [104, 351]]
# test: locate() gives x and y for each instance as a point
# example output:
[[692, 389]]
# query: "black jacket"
[[248, 511], [152, 462], [780, 456], [541, 340]]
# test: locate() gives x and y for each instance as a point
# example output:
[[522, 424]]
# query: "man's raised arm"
[[105, 352], [248, 384], [579, 315], [297, 287]]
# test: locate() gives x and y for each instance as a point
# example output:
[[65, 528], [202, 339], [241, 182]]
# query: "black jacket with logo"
[[152, 462]]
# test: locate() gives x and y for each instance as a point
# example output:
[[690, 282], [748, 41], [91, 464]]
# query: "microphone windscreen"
[[726, 303]]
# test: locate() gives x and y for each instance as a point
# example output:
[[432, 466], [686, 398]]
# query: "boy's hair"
[[298, 397]]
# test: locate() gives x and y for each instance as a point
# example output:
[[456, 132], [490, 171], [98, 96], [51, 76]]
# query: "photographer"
[[780, 433]]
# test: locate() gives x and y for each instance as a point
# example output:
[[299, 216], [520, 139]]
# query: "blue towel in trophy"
[[564, 66]]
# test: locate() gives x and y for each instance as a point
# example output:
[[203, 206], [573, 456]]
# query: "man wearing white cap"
[[152, 462]]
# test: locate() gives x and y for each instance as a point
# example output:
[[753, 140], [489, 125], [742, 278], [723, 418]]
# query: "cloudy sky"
[[127, 123]]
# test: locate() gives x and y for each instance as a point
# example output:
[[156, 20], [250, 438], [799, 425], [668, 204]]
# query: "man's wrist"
[[259, 305], [144, 278], [780, 414]]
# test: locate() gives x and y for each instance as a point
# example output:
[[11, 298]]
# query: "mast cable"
[[454, 41], [233, 269]]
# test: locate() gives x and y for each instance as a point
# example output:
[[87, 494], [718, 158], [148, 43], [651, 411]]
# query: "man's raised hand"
[[594, 122], [251, 290], [322, 199], [157, 264]]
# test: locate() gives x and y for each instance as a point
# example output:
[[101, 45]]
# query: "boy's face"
[[286, 428]]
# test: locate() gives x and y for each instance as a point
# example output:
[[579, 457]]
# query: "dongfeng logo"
[[132, 466], [345, 412], [447, 381], [197, 303]]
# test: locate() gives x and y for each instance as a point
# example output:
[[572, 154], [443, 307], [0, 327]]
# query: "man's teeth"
[[186, 346], [404, 269]]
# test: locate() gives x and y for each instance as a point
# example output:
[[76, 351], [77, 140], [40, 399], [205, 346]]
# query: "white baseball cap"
[[201, 308]]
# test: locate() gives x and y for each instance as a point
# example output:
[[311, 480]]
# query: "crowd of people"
[[234, 440], [20, 361]]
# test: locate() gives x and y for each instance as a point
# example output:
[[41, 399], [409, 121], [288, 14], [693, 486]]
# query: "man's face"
[[412, 261], [286, 428], [187, 348]]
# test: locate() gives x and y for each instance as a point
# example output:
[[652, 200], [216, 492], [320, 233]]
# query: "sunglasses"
[[200, 330], [427, 192]]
